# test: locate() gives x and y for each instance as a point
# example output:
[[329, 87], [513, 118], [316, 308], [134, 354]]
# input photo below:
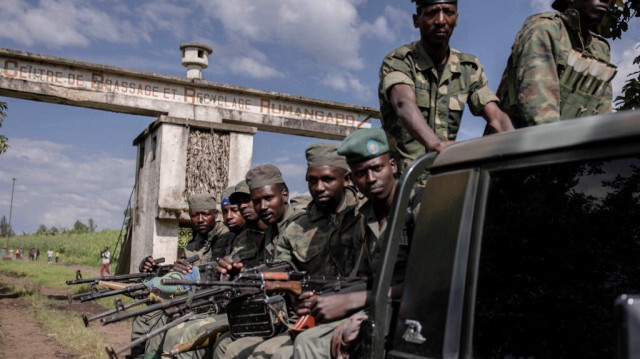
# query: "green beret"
[[202, 202], [364, 144], [421, 3], [262, 176], [325, 154]]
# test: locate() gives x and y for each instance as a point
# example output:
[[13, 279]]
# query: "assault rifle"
[[197, 298], [129, 284]]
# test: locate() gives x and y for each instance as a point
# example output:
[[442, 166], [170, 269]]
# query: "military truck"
[[523, 244]]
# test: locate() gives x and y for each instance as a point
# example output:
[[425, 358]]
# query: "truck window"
[[559, 244]]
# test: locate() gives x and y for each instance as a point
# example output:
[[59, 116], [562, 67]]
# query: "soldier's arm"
[[495, 118], [403, 100], [537, 82]]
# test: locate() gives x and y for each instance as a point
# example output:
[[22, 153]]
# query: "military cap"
[[421, 3], [224, 197], [262, 176], [364, 144], [202, 202], [240, 189], [325, 154]]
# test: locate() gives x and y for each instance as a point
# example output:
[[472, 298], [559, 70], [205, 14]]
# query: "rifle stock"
[[201, 341]]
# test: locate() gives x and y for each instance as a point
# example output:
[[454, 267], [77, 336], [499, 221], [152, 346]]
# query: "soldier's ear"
[[415, 20]]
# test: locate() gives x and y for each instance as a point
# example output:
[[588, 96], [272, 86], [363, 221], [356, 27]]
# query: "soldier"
[[372, 168], [425, 85], [320, 242], [270, 197], [558, 68], [206, 241], [183, 332]]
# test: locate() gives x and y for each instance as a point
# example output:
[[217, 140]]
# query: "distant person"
[[105, 258], [3, 253], [559, 69], [49, 256], [57, 256], [37, 253], [32, 254]]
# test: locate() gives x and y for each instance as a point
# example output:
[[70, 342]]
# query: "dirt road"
[[21, 336]]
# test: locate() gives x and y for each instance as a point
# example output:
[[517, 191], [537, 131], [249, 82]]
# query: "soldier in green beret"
[[425, 85], [372, 169], [559, 69]]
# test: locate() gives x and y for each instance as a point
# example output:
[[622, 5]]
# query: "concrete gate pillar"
[[162, 187]]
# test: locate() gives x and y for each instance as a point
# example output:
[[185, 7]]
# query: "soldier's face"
[[203, 221], [591, 11], [246, 207], [232, 217], [326, 185], [436, 23], [374, 177], [270, 203]]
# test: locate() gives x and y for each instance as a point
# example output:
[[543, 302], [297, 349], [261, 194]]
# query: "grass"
[[61, 324], [74, 248]]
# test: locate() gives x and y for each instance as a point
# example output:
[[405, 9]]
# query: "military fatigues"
[[316, 342], [320, 243], [213, 246], [440, 97], [266, 252], [540, 85]]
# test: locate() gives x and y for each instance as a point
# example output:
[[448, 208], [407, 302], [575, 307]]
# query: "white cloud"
[[58, 23], [328, 30], [345, 82], [622, 54], [58, 184], [541, 5], [249, 67]]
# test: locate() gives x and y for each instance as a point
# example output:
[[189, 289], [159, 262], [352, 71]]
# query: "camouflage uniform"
[[316, 342], [440, 97], [213, 246], [533, 89], [320, 243]]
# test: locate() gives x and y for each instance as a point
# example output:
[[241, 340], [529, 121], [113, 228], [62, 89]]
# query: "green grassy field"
[[75, 248]]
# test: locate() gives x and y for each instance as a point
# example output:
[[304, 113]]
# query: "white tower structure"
[[195, 57]]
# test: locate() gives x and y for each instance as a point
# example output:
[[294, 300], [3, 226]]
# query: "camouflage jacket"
[[370, 235], [441, 98], [246, 246], [273, 234], [322, 243], [215, 245], [533, 90]]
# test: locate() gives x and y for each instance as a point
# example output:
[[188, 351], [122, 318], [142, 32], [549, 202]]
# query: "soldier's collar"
[[571, 18], [424, 61]]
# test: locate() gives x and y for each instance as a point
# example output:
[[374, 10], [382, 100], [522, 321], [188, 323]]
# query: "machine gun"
[[125, 278]]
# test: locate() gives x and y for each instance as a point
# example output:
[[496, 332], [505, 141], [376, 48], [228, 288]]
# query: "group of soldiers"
[[558, 69]]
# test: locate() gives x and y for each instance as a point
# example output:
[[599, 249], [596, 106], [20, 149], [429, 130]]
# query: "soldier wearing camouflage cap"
[[425, 85], [558, 68], [320, 242]]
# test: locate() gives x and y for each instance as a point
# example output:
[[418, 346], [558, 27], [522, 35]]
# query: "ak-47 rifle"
[[196, 298], [130, 284], [276, 282], [118, 306]]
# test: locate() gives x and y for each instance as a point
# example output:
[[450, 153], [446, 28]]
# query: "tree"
[[80, 227], [612, 26], [3, 114], [42, 229], [5, 228], [53, 230], [92, 225]]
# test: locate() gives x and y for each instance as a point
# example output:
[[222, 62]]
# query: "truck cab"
[[523, 244]]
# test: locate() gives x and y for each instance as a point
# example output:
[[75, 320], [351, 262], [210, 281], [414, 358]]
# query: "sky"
[[73, 163]]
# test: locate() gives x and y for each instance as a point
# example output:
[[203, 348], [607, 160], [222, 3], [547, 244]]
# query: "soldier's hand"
[[333, 307], [182, 266], [305, 302], [227, 265], [442, 145], [148, 265], [345, 334]]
